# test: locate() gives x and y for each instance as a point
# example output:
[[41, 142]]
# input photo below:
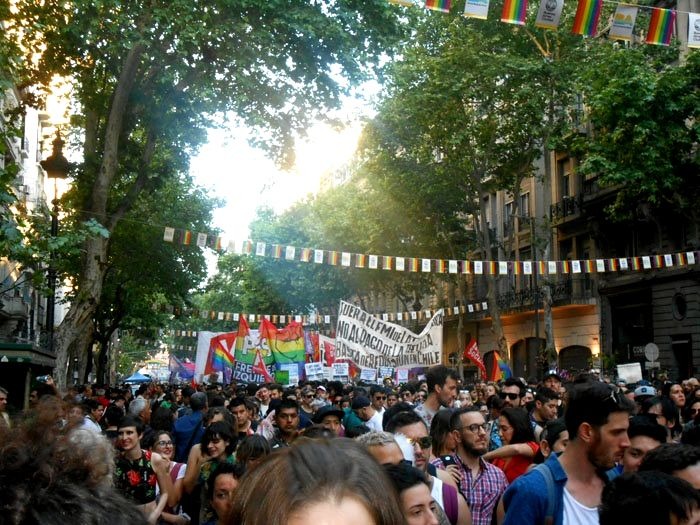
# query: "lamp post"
[[56, 167]]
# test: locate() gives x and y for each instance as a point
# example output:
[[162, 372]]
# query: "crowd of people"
[[436, 451]]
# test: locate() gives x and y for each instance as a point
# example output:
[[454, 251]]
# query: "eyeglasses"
[[424, 442], [509, 395], [380, 398], [306, 396], [475, 427], [165, 443]]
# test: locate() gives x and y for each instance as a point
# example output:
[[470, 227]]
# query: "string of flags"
[[586, 19], [309, 319], [186, 237], [442, 266], [472, 267]]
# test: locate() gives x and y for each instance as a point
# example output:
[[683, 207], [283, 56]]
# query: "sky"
[[247, 180]]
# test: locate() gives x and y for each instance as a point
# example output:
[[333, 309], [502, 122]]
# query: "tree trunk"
[[492, 291], [78, 320], [113, 351], [102, 359]]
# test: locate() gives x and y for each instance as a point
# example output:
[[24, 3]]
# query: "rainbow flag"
[[636, 263], [588, 265], [305, 255], [413, 265], [247, 247], [287, 344], [360, 260], [514, 12], [661, 26], [438, 5], [333, 258], [387, 262], [442, 266], [186, 237], [219, 357], [501, 371], [587, 17], [277, 251]]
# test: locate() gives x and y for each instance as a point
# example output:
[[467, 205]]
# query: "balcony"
[[566, 208], [565, 291]]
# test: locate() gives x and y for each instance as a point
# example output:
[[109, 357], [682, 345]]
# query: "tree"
[[143, 270], [149, 76], [644, 110], [465, 114]]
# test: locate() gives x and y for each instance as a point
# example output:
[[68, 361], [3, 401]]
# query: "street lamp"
[[56, 167]]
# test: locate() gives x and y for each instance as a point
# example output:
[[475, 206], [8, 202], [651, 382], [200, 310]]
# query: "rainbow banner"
[[405, 3], [661, 27], [587, 17], [500, 371], [219, 357], [438, 5], [286, 344], [514, 12]]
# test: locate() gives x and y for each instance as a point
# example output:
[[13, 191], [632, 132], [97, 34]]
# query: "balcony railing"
[[567, 207], [563, 292]]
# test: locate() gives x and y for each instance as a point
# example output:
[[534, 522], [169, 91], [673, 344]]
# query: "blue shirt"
[[525, 501], [188, 431]]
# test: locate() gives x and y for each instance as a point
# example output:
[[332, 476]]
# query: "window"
[[525, 205]]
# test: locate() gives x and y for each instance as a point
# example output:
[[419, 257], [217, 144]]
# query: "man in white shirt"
[[365, 411]]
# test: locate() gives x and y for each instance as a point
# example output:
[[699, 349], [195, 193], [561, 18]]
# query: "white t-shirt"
[[577, 514], [375, 422]]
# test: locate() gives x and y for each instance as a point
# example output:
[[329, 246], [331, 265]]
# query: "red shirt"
[[517, 465]]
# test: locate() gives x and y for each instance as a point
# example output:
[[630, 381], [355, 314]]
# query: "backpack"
[[546, 472]]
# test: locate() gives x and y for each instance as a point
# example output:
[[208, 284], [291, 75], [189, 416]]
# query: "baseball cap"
[[644, 391], [360, 402], [328, 410], [321, 387]]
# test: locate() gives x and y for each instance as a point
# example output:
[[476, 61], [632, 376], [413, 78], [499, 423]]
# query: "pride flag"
[[661, 26], [514, 12], [286, 344], [501, 371], [438, 5], [220, 357], [587, 17]]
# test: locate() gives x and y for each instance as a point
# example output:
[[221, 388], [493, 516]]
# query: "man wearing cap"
[[189, 430], [642, 393], [322, 394], [552, 381], [329, 417], [363, 408]]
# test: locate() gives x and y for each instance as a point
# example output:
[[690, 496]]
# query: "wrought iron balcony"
[[564, 291], [567, 207]]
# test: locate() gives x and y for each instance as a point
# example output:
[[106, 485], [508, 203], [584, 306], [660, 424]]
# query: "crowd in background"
[[430, 451]]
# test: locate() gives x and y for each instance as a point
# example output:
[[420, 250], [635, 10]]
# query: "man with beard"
[[567, 489], [480, 482], [512, 393], [442, 391]]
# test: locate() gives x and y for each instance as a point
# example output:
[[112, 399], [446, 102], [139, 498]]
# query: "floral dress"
[[136, 479]]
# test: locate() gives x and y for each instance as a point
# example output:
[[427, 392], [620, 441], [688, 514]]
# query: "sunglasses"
[[424, 442], [508, 395], [380, 398]]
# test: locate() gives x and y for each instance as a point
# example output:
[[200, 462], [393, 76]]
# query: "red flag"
[[243, 328], [329, 351], [472, 353], [260, 368]]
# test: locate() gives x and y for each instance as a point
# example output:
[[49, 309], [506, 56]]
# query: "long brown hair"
[[314, 471]]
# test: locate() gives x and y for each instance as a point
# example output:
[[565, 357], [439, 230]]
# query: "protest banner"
[[369, 342]]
